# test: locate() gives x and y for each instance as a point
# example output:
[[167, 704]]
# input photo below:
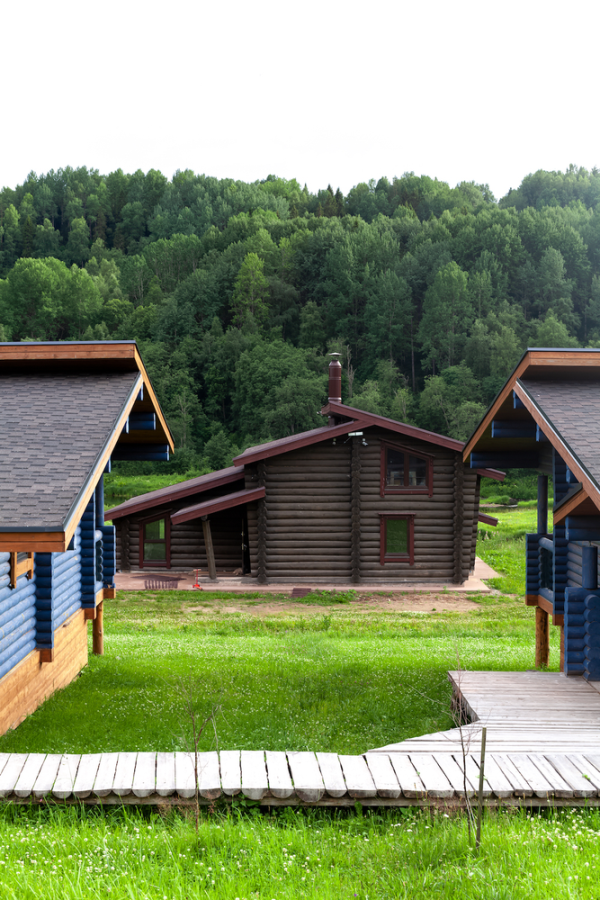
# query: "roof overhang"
[[543, 363], [200, 510]]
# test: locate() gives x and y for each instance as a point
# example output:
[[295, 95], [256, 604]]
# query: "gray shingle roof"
[[573, 409], [53, 428]]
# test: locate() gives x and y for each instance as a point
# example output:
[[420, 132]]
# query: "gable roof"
[[63, 411], [560, 391], [356, 419], [176, 492]]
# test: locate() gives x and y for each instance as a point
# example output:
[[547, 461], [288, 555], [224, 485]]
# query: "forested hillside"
[[236, 292]]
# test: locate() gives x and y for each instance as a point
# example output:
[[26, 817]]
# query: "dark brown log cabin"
[[363, 499]]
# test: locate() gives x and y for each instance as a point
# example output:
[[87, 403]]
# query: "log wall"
[[187, 541], [32, 681]]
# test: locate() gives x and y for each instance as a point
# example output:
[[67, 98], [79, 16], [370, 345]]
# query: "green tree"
[[312, 332], [553, 333], [251, 292], [447, 314]]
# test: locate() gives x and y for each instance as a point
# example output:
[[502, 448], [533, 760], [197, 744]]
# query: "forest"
[[236, 292]]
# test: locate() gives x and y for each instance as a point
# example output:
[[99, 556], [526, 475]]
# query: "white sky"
[[320, 91]]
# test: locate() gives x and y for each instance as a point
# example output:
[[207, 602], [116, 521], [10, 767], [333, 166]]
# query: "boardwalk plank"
[[408, 779], [4, 758], [10, 773], [209, 775], [165, 774], [47, 775], [29, 773], [472, 763], [435, 782], [86, 774], [66, 776], [306, 775], [123, 781], [496, 778], [359, 780], [581, 786], [452, 767], [144, 779], [383, 775], [540, 785], [255, 783], [520, 784], [184, 775], [231, 773], [280, 780], [332, 774], [105, 776], [560, 788]]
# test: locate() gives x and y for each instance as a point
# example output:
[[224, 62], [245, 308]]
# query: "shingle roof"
[[53, 430], [572, 408], [176, 491]]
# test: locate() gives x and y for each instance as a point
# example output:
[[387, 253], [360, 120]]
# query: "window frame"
[[154, 563], [406, 489], [408, 557]]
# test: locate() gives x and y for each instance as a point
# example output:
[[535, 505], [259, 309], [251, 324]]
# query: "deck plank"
[[407, 776], [231, 773], [278, 773], [383, 775], [581, 786], [10, 773], [185, 781], [165, 774], [255, 783], [123, 780], [209, 775], [105, 776], [435, 782], [452, 767], [66, 776], [29, 774], [47, 775], [332, 774], [521, 787], [560, 788], [86, 775], [306, 775], [144, 779], [357, 776]]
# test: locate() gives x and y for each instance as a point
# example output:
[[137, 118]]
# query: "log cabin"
[[362, 500], [68, 410], [544, 419]]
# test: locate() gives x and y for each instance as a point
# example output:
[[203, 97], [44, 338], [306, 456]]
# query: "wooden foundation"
[[98, 631], [542, 638], [33, 680], [562, 648]]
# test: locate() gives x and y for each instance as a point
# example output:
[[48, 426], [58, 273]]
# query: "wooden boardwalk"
[[543, 743]]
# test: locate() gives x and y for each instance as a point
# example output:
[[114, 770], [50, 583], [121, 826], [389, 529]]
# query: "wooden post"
[[355, 500], [562, 648], [480, 791], [98, 631], [542, 505], [542, 638], [210, 553], [459, 478]]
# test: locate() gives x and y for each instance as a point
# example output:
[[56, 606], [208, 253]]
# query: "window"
[[404, 472], [397, 539], [155, 544]]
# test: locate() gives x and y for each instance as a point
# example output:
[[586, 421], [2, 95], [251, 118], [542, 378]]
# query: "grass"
[[504, 546], [119, 488], [394, 855]]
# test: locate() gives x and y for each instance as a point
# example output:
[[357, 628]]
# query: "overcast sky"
[[322, 91]]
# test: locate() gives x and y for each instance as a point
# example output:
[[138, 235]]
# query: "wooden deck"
[[543, 739]]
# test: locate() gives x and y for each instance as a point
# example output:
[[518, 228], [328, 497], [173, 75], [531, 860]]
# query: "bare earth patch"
[[365, 603]]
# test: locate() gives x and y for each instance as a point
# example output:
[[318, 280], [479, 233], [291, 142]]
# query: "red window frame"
[[155, 563], [396, 557], [407, 489]]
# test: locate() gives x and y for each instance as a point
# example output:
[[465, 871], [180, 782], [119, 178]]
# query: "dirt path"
[[365, 603]]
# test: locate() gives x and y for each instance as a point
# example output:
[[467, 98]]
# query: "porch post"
[[210, 553], [542, 505], [542, 637]]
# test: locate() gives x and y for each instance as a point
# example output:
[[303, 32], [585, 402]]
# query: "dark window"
[[397, 539], [155, 545], [403, 472]]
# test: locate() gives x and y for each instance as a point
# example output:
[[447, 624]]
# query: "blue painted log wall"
[[17, 617], [560, 541], [58, 589]]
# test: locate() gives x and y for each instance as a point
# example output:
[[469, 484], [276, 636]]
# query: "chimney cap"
[[335, 353]]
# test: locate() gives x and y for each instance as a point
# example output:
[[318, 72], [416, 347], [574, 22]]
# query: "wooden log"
[[542, 638], [98, 631], [210, 553]]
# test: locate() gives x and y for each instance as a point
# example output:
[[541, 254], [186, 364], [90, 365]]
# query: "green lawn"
[[307, 855]]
